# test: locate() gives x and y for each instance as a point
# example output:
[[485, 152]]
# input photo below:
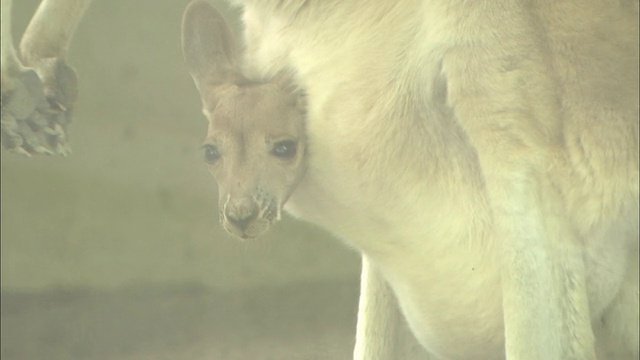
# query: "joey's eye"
[[285, 149], [211, 153]]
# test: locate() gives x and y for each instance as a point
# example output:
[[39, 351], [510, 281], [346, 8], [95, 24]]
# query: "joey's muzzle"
[[247, 218]]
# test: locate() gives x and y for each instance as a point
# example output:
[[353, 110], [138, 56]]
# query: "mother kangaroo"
[[483, 158]]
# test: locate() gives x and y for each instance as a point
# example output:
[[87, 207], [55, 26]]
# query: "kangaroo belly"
[[447, 283], [452, 303]]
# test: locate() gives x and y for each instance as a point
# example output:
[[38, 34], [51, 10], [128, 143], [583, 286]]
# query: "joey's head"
[[255, 143], [255, 149]]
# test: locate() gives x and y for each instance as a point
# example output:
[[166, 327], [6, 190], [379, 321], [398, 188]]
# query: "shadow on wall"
[[134, 208]]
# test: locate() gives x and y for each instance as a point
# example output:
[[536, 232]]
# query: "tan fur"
[[482, 155], [248, 122], [48, 35]]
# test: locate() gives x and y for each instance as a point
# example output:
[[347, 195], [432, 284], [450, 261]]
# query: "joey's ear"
[[207, 45]]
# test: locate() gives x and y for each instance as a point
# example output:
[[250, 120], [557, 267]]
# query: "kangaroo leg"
[[44, 47], [41, 89], [546, 313], [381, 334], [21, 89], [377, 318], [10, 63]]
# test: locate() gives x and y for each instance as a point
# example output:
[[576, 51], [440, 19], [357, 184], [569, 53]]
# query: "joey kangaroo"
[[483, 158], [255, 144], [38, 87]]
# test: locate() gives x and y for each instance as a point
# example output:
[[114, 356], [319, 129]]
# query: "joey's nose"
[[241, 217]]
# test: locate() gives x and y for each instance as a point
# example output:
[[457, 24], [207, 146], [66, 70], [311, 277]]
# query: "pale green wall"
[[134, 203]]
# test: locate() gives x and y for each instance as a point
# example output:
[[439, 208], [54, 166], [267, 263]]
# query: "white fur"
[[482, 155]]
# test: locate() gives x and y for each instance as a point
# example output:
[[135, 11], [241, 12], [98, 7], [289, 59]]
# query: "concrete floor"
[[187, 322]]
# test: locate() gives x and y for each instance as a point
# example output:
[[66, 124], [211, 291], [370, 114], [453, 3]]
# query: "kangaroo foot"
[[37, 107]]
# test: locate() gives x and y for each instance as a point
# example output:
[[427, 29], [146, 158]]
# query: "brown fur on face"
[[246, 127]]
